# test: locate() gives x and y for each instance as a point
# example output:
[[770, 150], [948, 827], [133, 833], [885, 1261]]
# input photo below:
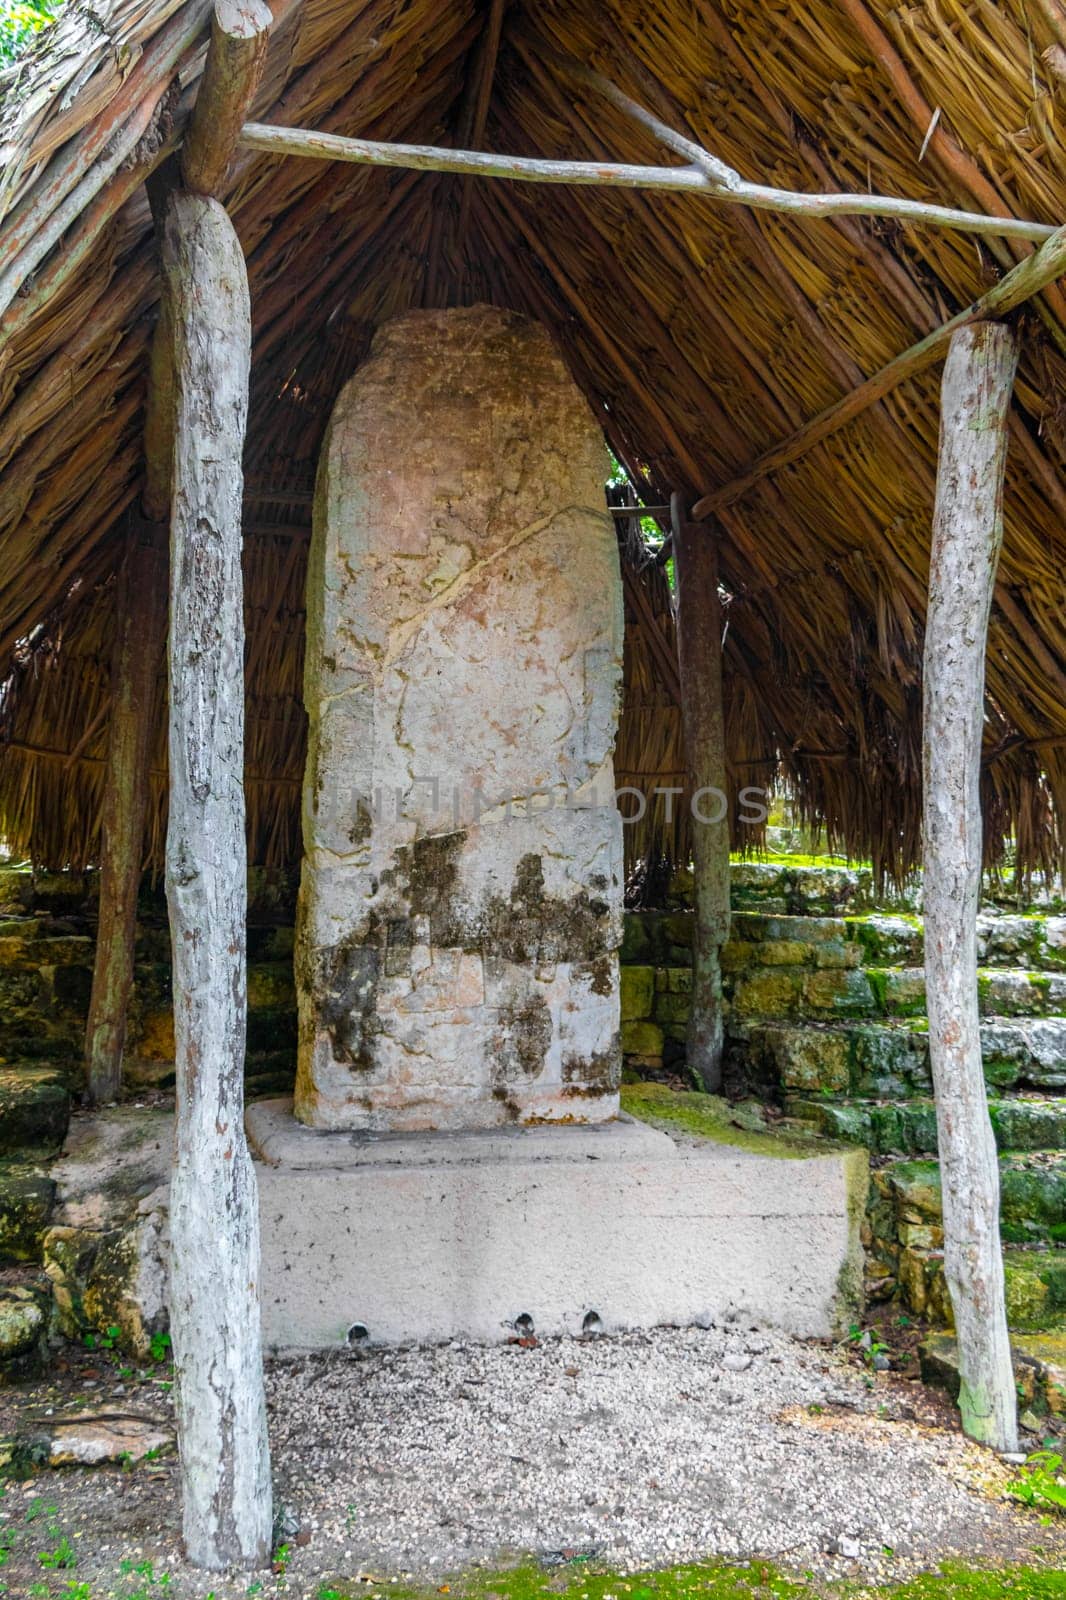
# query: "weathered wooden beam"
[[140, 621], [695, 177], [1019, 285], [214, 1219], [240, 34], [967, 534], [699, 649]]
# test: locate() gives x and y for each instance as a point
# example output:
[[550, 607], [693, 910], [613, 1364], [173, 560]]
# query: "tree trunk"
[[214, 1218], [967, 533], [140, 619], [699, 637]]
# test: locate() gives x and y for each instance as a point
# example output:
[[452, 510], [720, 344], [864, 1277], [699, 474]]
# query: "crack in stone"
[[401, 636]]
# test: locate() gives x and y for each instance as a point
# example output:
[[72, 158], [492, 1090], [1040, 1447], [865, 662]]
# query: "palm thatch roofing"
[[702, 333]]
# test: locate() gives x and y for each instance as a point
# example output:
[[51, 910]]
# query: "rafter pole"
[[1019, 285], [967, 535], [696, 178]]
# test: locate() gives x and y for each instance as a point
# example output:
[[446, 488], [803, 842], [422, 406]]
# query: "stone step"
[[27, 1197], [890, 1060], [34, 1107], [1032, 1199], [908, 1127], [24, 1309], [1039, 1371], [1035, 1283], [777, 992], [873, 939]]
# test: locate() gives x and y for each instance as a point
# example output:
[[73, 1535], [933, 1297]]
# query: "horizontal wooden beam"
[[1019, 285], [693, 178]]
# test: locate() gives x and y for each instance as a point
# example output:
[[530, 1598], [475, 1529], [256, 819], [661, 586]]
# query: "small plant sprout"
[[64, 1555], [1041, 1482]]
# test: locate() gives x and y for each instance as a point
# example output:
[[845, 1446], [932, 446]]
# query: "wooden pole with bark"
[[140, 620], [967, 534], [699, 648], [214, 1206], [214, 1218]]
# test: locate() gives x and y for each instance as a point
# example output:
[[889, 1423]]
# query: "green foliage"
[[1042, 1482], [103, 1341], [64, 1555], [159, 1347], [21, 21]]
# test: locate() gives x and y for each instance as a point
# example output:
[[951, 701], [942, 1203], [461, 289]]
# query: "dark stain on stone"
[[425, 875], [598, 1074], [532, 925], [347, 987], [400, 938], [601, 975], [363, 825], [507, 1101], [526, 926], [522, 1040]]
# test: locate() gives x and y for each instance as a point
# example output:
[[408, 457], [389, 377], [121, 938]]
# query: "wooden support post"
[[214, 1220], [140, 619], [967, 533], [699, 642], [240, 33]]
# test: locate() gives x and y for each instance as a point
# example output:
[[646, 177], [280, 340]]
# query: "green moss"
[[708, 1117], [576, 1578], [877, 978]]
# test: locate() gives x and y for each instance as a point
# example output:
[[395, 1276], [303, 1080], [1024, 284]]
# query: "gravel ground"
[[644, 1450]]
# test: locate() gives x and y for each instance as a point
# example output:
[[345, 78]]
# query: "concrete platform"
[[404, 1238]]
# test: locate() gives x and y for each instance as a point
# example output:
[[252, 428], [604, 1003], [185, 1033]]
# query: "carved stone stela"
[[461, 897]]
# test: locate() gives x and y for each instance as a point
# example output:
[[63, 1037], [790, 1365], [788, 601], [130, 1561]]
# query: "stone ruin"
[[461, 897]]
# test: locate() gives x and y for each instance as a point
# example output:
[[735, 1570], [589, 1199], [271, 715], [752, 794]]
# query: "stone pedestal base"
[[402, 1238]]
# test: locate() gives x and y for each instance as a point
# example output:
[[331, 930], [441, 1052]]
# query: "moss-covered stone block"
[[27, 1196], [642, 1039], [710, 1117], [673, 980], [34, 1108], [271, 986], [1039, 1368], [676, 931], [1005, 1053], [769, 992], [887, 941], [915, 1190], [636, 992], [152, 1034], [760, 885], [888, 1062], [812, 1060], [902, 991], [1033, 1196], [1010, 993], [826, 890], [837, 992], [850, 1124], [110, 1279], [23, 1331], [1028, 1124], [673, 1009], [638, 943]]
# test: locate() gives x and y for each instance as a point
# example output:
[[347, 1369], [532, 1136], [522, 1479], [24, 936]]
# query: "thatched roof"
[[702, 333]]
